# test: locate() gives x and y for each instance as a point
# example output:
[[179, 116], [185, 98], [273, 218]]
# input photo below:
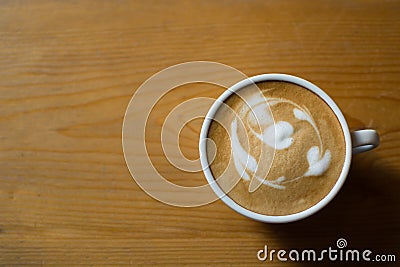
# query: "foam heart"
[[317, 165], [278, 135]]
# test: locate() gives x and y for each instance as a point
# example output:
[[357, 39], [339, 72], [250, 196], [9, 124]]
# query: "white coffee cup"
[[356, 142]]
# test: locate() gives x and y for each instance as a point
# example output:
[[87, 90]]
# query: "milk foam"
[[278, 136]]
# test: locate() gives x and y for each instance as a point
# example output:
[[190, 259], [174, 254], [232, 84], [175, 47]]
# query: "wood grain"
[[68, 70]]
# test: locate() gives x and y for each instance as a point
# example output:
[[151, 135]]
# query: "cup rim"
[[229, 201]]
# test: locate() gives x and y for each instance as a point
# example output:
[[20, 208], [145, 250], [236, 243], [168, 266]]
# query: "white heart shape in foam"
[[300, 115], [281, 133], [317, 166]]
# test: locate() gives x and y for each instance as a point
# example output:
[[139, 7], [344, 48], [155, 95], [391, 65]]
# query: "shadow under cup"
[[242, 203]]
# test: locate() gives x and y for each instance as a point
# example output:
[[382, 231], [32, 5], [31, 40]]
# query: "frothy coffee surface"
[[308, 141]]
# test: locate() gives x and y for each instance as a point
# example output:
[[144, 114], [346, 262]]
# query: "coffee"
[[303, 151]]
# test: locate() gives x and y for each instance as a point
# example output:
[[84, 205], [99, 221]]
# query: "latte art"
[[275, 135], [281, 153]]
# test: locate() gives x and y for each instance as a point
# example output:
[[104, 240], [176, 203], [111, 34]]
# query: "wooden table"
[[68, 70]]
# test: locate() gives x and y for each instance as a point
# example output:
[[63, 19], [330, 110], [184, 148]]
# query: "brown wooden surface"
[[68, 70]]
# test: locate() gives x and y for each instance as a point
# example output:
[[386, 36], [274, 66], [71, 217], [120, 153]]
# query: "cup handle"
[[364, 140]]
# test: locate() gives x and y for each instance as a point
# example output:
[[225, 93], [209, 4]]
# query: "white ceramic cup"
[[356, 142]]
